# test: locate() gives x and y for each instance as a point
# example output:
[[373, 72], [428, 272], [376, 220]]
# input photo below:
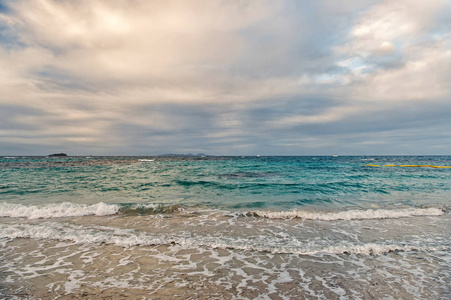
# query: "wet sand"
[[60, 270]]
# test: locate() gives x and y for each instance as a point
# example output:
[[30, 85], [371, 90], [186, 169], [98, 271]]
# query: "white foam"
[[83, 235], [56, 210], [351, 214], [130, 238]]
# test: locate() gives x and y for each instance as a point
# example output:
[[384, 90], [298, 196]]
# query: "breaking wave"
[[130, 238], [56, 210], [66, 209], [349, 214]]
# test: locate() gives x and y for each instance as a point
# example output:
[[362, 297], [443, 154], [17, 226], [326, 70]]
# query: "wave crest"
[[66, 209], [349, 214], [131, 238], [56, 210]]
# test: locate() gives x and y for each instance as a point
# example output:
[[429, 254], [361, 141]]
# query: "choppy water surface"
[[225, 227]]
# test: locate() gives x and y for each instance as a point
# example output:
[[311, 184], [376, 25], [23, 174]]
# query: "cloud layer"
[[221, 77]]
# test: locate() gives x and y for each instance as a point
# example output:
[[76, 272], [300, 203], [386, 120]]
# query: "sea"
[[214, 227]]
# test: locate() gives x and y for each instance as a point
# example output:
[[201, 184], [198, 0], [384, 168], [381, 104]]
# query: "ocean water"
[[225, 227]]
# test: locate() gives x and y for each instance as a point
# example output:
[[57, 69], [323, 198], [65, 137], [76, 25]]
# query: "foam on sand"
[[130, 238], [350, 214]]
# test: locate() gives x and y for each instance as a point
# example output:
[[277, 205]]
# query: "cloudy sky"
[[304, 77]]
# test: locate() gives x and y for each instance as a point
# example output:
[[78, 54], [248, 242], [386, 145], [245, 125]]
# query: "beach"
[[380, 244], [225, 149]]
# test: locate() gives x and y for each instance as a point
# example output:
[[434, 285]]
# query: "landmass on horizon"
[[57, 155], [187, 154], [166, 154]]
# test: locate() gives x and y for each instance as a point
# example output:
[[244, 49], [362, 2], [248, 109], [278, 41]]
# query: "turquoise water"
[[277, 183], [225, 227]]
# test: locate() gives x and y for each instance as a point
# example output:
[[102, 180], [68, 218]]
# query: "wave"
[[66, 209], [149, 209], [349, 214], [376, 249], [130, 238], [56, 210]]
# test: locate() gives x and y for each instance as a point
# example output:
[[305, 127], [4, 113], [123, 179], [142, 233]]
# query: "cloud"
[[145, 77], [399, 51], [149, 43]]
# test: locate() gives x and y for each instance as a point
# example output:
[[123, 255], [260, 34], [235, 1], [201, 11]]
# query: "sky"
[[306, 77]]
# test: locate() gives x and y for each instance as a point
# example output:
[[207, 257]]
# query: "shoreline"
[[63, 270]]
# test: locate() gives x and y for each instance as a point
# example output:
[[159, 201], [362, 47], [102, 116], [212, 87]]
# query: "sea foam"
[[56, 210], [350, 214], [130, 238]]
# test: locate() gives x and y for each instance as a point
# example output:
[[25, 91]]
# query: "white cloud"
[[100, 71], [424, 76], [399, 53], [104, 40], [390, 23]]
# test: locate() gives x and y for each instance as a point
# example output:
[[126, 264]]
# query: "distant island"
[[188, 154], [57, 154]]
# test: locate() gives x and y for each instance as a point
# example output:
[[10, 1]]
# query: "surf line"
[[410, 166]]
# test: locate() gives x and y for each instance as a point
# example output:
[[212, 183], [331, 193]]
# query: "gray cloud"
[[285, 77]]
